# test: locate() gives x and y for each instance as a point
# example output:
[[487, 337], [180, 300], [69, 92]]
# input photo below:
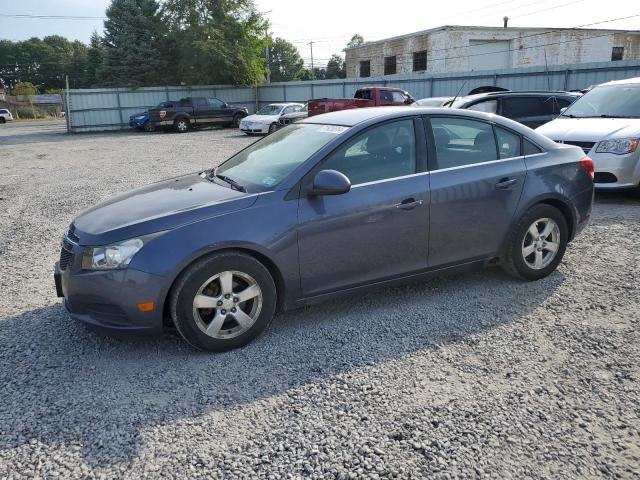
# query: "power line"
[[51, 17]]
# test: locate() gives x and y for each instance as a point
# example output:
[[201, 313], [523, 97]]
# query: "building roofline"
[[478, 27]]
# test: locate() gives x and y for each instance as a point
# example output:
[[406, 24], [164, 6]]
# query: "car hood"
[[261, 118], [156, 207], [590, 129]]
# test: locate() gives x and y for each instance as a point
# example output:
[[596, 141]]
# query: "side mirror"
[[330, 182], [563, 109]]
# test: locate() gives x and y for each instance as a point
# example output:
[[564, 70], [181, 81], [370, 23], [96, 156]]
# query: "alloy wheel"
[[227, 304], [541, 243], [182, 126]]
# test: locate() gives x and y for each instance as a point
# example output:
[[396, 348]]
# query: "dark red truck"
[[364, 97]]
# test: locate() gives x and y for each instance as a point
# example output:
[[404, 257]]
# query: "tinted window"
[[461, 142], [215, 103], [489, 106], [530, 148], [4, 111], [201, 102], [382, 152], [519, 107], [364, 94], [508, 143], [386, 96]]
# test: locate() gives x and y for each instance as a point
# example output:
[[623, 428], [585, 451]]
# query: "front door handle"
[[409, 204], [506, 183]]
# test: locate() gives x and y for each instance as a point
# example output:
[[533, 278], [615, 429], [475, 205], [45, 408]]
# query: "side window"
[[215, 103], [508, 143], [399, 97], [559, 104], [386, 96], [460, 141], [520, 107], [488, 106], [530, 148], [382, 152], [364, 94], [201, 102]]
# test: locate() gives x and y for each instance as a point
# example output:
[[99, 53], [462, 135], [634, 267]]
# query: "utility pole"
[[266, 50], [67, 113], [313, 74]]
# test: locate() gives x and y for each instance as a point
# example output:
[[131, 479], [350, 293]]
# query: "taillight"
[[587, 165], [163, 114]]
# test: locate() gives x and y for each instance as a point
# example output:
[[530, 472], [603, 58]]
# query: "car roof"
[[284, 104], [522, 93], [626, 81], [356, 116]]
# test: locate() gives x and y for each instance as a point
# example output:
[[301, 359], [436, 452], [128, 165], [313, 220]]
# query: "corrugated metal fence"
[[110, 108]]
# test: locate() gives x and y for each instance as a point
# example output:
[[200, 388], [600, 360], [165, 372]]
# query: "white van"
[[605, 123], [5, 115]]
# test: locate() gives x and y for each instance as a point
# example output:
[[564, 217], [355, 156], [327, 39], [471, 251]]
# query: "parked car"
[[432, 102], [141, 121], [364, 97], [605, 123], [5, 115], [289, 118], [529, 108], [331, 205], [266, 119], [194, 112]]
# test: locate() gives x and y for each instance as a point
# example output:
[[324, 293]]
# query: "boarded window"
[[389, 65], [419, 61], [617, 53], [365, 68]]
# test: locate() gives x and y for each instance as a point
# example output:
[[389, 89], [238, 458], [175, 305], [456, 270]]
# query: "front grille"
[[66, 258], [71, 235], [604, 177], [585, 146]]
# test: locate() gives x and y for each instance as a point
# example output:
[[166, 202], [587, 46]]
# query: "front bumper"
[[616, 172], [107, 300], [254, 128]]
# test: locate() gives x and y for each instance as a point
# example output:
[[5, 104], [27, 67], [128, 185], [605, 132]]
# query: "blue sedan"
[[332, 205], [141, 121]]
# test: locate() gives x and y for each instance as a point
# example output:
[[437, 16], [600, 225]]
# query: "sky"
[[330, 23]]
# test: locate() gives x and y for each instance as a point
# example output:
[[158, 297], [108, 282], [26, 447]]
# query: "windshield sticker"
[[269, 181], [333, 129]]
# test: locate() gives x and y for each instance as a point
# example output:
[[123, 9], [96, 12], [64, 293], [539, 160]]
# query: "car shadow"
[[65, 385]]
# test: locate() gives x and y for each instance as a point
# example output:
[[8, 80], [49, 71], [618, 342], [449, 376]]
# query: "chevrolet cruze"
[[332, 205]]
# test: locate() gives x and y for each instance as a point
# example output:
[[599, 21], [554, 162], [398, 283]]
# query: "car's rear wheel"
[[537, 243], [273, 127], [181, 125], [223, 301], [236, 121]]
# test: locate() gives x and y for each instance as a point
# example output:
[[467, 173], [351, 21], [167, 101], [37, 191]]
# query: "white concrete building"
[[450, 49]]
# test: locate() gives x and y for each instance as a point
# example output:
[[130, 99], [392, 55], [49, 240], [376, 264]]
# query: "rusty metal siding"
[[109, 109]]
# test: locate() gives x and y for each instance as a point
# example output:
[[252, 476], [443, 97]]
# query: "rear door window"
[[462, 141], [363, 94], [521, 107]]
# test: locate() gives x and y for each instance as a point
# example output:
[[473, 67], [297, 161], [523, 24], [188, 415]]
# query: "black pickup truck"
[[191, 112]]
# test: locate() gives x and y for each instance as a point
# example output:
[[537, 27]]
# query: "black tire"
[[148, 126], [272, 128], [181, 125], [2, 120], [190, 283], [516, 263], [236, 121]]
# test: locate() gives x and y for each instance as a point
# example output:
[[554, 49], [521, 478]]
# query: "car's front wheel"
[[537, 243], [181, 125], [273, 127], [223, 301], [148, 126], [236, 121], [2, 120]]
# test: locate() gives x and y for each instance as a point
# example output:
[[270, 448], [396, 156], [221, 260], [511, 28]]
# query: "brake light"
[[163, 114], [587, 165]]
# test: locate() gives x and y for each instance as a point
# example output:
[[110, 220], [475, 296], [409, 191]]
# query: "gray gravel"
[[472, 376]]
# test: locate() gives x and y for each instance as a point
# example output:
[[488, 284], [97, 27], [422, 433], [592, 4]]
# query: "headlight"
[[618, 146], [114, 256]]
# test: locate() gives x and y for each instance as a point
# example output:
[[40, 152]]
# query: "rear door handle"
[[506, 183], [409, 204]]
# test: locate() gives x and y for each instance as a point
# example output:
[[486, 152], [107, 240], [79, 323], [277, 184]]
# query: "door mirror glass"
[[330, 182]]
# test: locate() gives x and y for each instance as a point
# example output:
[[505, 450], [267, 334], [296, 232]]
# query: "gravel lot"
[[472, 376]]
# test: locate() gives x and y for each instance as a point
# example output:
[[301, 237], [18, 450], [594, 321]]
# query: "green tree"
[[355, 41], [24, 88], [215, 41], [285, 61], [336, 67], [94, 60], [132, 40]]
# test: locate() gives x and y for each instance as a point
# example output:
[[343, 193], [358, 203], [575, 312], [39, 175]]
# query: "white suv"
[[605, 123], [5, 115]]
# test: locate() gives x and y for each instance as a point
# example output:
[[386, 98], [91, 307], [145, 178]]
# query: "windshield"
[[621, 101], [269, 110], [263, 165]]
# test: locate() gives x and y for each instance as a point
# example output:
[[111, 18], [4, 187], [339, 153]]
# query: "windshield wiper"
[[235, 185]]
